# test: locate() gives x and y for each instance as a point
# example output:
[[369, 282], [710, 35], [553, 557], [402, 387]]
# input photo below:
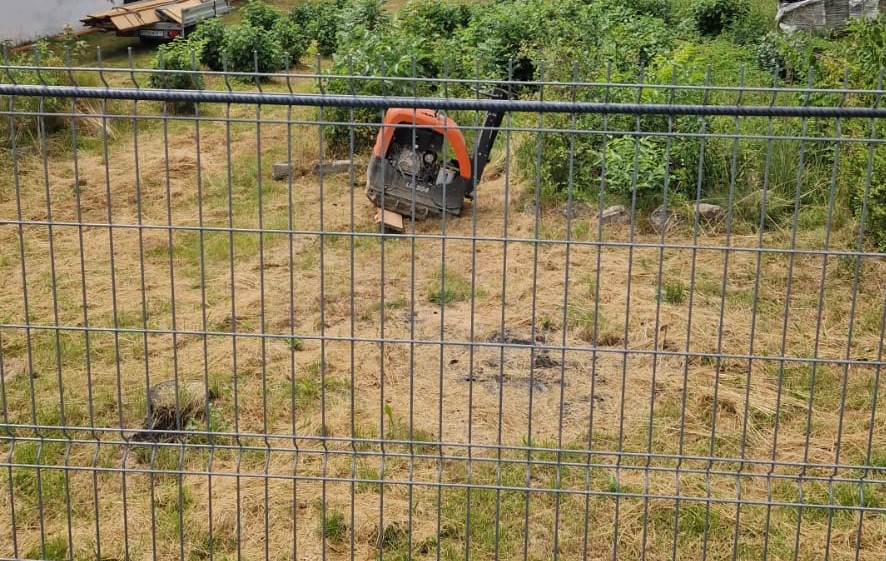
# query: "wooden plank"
[[131, 16], [135, 7], [391, 219], [175, 12], [125, 22]]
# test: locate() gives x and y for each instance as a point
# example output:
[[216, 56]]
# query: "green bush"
[[497, 37], [384, 53], [515, 37], [635, 41], [244, 41], [264, 29], [876, 217], [627, 164], [661, 9], [791, 55], [303, 15], [325, 25], [749, 28], [292, 38], [358, 17], [211, 36], [365, 14], [865, 53], [258, 14], [439, 19], [854, 177], [24, 123], [70, 41], [635, 165], [713, 17], [177, 55]]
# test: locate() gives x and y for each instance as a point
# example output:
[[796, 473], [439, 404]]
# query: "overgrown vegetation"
[[624, 159], [177, 55], [46, 54], [263, 42], [636, 161]]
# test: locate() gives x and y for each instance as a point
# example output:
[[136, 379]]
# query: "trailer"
[[156, 20]]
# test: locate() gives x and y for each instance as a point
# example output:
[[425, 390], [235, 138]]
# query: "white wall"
[[24, 20]]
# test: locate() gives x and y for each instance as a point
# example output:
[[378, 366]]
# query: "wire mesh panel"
[[655, 329]]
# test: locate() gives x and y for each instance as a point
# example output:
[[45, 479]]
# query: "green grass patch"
[[673, 292], [39, 481], [54, 549], [448, 287], [590, 325], [333, 526]]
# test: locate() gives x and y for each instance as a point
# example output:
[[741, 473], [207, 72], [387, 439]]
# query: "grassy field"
[[371, 369]]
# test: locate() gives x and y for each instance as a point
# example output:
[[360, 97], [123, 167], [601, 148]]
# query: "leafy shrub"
[[303, 15], [69, 41], [613, 168], [635, 41], [865, 54], [258, 14], [748, 29], [634, 165], [856, 167], [594, 34], [497, 37], [435, 18], [366, 14], [177, 55], [293, 39], [25, 123], [876, 217], [211, 36], [792, 55], [769, 54], [245, 40], [264, 29], [713, 17], [359, 17], [325, 25], [656, 8], [384, 53]]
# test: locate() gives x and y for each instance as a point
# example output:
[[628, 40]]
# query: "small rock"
[[709, 211], [334, 166], [662, 219], [282, 171], [616, 215], [509, 338], [161, 416], [543, 360], [577, 209]]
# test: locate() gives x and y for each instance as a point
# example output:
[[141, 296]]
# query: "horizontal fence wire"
[[448, 103], [655, 329]]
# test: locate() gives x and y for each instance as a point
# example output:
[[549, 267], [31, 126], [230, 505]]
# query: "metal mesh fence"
[[655, 331]]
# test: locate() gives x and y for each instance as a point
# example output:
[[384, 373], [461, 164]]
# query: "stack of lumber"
[[139, 14]]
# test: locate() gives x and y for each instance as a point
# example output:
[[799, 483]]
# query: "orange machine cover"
[[425, 118]]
